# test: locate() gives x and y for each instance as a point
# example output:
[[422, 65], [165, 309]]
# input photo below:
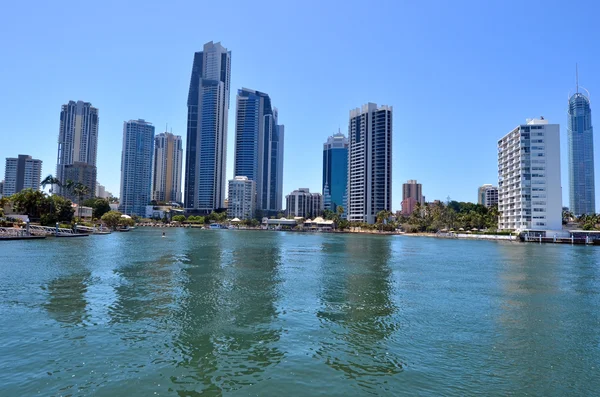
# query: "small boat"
[[123, 229]]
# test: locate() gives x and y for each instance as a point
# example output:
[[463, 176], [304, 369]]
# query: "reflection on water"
[[358, 311], [227, 340], [66, 298]]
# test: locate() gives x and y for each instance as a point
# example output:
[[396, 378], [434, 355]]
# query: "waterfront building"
[[206, 147], [22, 172], [79, 172], [259, 148], [168, 157], [580, 136], [487, 195], [302, 203], [529, 186], [335, 172], [77, 140], [136, 167], [159, 212], [412, 193], [369, 162], [242, 196]]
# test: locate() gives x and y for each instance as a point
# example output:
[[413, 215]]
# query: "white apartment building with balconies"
[[530, 193]]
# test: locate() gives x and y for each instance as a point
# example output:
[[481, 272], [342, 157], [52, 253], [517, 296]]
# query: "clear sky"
[[459, 74]]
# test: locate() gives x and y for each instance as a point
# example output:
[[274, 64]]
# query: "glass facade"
[[206, 151], [582, 192], [335, 172], [259, 147], [136, 167]]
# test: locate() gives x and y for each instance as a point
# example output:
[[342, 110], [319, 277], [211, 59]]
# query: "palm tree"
[[80, 190], [52, 181]]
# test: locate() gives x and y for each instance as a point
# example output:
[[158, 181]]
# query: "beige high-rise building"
[[166, 181]]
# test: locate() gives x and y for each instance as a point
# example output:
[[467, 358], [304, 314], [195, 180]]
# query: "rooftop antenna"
[[577, 77]]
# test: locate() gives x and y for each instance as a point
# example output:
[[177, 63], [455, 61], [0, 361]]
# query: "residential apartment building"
[[102, 192], [580, 137], [77, 141], [79, 172], [259, 148], [369, 162], [136, 167], [241, 198], [487, 195], [412, 194], [206, 145], [304, 204], [335, 172], [530, 194], [168, 157], [22, 172]]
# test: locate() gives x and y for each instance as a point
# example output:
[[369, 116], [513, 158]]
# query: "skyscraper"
[[335, 172], [168, 154], [206, 151], [259, 148], [80, 172], [530, 193], [77, 140], [136, 167], [369, 162], [580, 134], [21, 173]]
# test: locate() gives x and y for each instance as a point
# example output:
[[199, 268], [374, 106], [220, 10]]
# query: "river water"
[[247, 313]]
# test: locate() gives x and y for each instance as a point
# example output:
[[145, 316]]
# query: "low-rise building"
[[83, 212], [303, 203]]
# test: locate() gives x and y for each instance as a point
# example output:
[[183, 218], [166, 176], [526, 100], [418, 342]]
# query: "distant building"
[[21, 173], [529, 183], [369, 162], [335, 172], [242, 195], [160, 211], [1, 188], [77, 140], [259, 148], [101, 191], [168, 157], [83, 173], [580, 135], [408, 206], [206, 145], [136, 167], [412, 193], [303, 203], [487, 195]]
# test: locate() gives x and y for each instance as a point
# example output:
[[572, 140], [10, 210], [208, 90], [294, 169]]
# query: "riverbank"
[[466, 236]]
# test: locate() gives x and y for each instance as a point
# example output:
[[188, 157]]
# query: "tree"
[[30, 202], [80, 190], [99, 206], [112, 219], [52, 181], [178, 218]]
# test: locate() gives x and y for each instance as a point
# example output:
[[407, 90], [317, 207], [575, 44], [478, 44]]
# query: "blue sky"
[[459, 75]]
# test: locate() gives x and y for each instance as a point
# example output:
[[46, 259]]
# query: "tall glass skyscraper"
[[335, 172], [582, 192], [206, 151], [259, 148], [77, 141], [136, 167]]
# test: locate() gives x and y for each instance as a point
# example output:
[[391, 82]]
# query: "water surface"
[[246, 313]]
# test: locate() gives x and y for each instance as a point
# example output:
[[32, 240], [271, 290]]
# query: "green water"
[[247, 313]]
